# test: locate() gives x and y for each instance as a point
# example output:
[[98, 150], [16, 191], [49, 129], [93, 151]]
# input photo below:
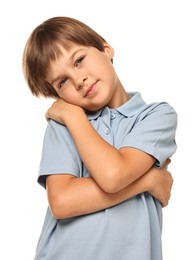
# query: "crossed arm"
[[70, 196]]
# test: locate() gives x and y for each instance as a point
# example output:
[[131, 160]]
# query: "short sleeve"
[[154, 132], [59, 154]]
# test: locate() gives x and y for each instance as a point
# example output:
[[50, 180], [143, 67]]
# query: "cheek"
[[107, 70], [70, 96], [99, 64], [110, 75]]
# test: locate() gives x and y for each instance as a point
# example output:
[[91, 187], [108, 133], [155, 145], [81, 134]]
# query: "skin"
[[85, 79]]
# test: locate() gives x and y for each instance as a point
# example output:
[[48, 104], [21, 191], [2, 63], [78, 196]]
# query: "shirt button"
[[112, 116], [107, 131]]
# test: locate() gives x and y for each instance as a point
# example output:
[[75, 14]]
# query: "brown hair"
[[44, 44]]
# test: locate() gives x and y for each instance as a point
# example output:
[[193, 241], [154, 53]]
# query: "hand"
[[61, 110], [161, 182]]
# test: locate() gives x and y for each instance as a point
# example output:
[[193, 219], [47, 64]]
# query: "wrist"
[[149, 181], [75, 115]]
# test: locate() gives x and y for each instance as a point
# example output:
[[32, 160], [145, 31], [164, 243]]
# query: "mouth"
[[91, 89]]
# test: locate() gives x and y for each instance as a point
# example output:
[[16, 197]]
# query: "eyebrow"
[[70, 58]]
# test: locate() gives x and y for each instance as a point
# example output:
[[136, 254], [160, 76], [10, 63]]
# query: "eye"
[[62, 83], [79, 61]]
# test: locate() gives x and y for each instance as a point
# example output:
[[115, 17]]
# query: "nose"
[[81, 82]]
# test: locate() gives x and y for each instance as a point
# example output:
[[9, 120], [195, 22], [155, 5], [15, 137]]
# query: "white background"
[[155, 45]]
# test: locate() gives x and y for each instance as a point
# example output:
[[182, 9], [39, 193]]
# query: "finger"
[[166, 163], [165, 204]]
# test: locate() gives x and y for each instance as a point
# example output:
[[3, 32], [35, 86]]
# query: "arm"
[[133, 163], [69, 196]]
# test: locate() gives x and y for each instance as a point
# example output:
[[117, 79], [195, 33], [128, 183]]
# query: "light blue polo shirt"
[[130, 230]]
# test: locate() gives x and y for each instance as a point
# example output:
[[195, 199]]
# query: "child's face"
[[85, 76]]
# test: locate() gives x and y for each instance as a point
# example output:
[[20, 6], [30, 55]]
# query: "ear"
[[109, 51]]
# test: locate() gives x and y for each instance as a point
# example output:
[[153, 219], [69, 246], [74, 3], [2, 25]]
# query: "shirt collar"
[[129, 109], [94, 115]]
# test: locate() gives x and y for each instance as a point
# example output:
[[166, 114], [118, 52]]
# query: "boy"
[[100, 150]]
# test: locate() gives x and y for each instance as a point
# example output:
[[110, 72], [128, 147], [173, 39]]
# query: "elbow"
[[110, 188], [56, 213], [60, 209], [112, 183]]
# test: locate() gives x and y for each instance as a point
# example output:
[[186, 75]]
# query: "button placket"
[[112, 116], [107, 131]]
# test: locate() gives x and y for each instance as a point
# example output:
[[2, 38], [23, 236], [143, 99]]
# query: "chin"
[[94, 108]]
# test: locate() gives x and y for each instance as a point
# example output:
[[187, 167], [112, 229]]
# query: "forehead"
[[68, 51]]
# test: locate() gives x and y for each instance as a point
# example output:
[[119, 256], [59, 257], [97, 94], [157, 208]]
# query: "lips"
[[90, 89]]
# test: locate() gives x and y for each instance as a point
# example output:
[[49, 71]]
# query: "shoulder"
[[56, 127], [160, 109], [57, 134], [156, 117]]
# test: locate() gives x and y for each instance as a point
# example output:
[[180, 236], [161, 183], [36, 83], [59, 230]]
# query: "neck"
[[120, 97]]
